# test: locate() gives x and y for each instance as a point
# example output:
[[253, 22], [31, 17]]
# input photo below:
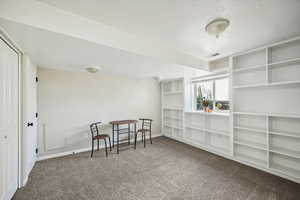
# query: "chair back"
[[146, 123], [94, 129]]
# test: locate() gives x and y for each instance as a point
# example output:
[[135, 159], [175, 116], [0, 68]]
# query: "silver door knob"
[[5, 136]]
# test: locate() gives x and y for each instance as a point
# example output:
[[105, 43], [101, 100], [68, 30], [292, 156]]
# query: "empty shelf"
[[285, 134], [251, 129], [253, 68], [216, 132], [172, 93], [288, 61], [173, 108], [193, 127], [251, 160], [268, 114], [251, 144], [283, 83], [286, 152], [171, 126], [176, 118]]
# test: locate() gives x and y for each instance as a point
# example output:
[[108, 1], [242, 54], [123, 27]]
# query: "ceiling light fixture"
[[93, 69], [217, 26]]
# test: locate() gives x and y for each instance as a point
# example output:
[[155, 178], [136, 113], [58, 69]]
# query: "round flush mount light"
[[93, 69], [217, 26]]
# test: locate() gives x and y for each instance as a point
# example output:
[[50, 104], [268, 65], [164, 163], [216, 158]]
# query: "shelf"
[[252, 145], [173, 108], [170, 126], [283, 83], [285, 134], [285, 170], [217, 149], [193, 127], [251, 160], [268, 114], [176, 118], [288, 61], [209, 130], [286, 152], [247, 69], [216, 132], [225, 114], [250, 129], [172, 93], [250, 86]]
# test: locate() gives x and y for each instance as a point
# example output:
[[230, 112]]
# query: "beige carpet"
[[164, 170]]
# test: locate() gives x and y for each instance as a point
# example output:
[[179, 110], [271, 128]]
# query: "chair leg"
[[118, 133], [109, 143], [98, 145], [128, 134], [105, 147], [92, 152], [135, 136], [150, 137], [144, 133], [113, 136]]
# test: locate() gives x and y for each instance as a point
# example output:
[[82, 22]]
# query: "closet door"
[[8, 121]]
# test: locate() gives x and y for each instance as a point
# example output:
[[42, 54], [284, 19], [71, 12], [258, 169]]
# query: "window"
[[213, 92]]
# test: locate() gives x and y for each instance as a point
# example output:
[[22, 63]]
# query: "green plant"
[[219, 105]]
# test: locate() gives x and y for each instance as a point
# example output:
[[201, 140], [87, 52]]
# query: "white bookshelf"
[[266, 118], [262, 129], [211, 128], [173, 107]]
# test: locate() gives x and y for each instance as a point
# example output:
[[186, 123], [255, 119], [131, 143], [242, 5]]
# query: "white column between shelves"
[[268, 140]]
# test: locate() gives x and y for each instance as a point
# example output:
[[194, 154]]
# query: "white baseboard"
[[25, 181], [56, 155], [27, 172]]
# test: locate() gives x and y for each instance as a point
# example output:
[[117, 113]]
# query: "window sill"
[[220, 113]]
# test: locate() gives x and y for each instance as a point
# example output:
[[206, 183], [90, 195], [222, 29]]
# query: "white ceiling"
[[180, 23], [58, 51]]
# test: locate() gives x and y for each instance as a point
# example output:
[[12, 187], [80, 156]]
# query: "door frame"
[[13, 45]]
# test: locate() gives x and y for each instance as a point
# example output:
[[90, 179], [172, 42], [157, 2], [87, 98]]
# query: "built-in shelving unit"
[[266, 115], [263, 127], [172, 107], [210, 129]]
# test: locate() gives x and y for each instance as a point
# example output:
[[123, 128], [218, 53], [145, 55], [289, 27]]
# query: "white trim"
[[10, 41], [28, 170], [13, 45], [266, 46], [25, 181], [56, 155], [210, 77]]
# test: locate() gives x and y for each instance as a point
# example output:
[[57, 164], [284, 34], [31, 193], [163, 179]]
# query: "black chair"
[[96, 136], [146, 127]]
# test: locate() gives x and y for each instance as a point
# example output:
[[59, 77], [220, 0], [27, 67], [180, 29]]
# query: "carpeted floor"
[[164, 170]]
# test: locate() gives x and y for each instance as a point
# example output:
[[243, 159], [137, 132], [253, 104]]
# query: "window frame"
[[212, 78]]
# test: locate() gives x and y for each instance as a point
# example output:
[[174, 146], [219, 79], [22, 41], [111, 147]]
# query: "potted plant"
[[205, 104]]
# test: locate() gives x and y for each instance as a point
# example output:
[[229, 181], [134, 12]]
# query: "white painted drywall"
[[29, 108], [69, 101]]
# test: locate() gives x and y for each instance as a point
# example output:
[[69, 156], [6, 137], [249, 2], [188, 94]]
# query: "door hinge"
[[36, 150], [36, 115], [36, 79]]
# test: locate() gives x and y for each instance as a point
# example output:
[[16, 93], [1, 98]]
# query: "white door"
[[29, 106], [9, 80]]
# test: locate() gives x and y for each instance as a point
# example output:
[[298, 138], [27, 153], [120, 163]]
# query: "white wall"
[[29, 108], [69, 101]]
